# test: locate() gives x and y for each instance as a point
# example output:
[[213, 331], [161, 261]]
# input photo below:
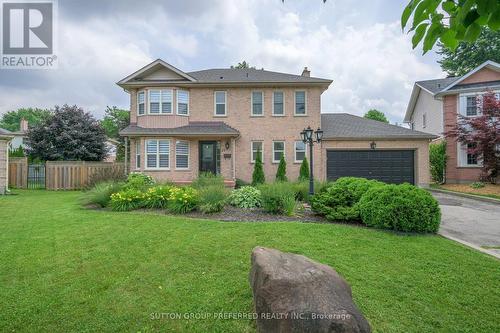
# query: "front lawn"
[[64, 268]]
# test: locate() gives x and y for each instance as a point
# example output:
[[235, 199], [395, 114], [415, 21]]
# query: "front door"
[[208, 151]]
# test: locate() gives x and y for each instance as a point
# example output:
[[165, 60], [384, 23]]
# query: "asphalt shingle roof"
[[195, 128], [347, 126], [437, 85], [219, 75]]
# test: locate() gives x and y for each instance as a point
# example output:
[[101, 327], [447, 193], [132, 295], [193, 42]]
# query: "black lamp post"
[[307, 137]]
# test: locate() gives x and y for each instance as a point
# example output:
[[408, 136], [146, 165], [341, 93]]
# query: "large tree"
[[449, 21], [376, 115], [481, 134], [11, 120], [113, 122], [68, 134], [468, 56]]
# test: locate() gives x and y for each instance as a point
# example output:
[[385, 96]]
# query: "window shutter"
[[462, 105]]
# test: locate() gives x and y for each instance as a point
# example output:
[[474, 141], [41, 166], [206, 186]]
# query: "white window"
[[278, 150], [220, 103], [465, 157], [300, 151], [141, 102], [257, 103], [183, 102], [424, 120], [278, 104], [182, 154], [154, 101], [300, 103], [157, 154], [138, 154], [257, 149], [471, 106]]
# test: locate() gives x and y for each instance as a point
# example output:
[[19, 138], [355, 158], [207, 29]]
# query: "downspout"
[[126, 156]]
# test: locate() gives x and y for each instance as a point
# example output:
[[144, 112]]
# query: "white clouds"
[[371, 63]]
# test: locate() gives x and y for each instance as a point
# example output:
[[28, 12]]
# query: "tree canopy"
[[242, 65], [67, 134], [449, 21], [468, 56], [11, 120], [376, 115], [114, 121]]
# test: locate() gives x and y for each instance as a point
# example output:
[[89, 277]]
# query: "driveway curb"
[[473, 246], [466, 195]]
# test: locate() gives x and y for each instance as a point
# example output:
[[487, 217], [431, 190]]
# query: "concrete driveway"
[[470, 221]]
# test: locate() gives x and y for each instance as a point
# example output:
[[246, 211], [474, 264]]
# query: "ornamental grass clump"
[[212, 199], [400, 207], [126, 200], [182, 199], [100, 194], [278, 198], [246, 197], [157, 197]]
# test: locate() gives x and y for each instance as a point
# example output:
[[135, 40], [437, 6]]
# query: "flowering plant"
[[127, 200], [182, 199]]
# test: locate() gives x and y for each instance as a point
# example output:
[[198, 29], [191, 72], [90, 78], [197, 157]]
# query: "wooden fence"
[[18, 172], [63, 175], [75, 175]]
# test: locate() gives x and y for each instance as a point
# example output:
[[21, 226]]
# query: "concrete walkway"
[[472, 222]]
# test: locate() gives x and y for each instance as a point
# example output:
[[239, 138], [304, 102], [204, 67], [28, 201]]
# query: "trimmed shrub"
[[258, 176], [339, 201], [400, 207], [304, 170], [100, 194], [246, 197], [208, 179], [281, 172], [212, 198], [126, 200], [437, 161], [182, 199], [138, 181], [278, 198], [157, 196]]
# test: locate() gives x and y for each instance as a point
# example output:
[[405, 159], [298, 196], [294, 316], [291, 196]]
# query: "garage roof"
[[344, 126]]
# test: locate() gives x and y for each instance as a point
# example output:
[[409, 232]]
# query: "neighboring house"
[[218, 120], [19, 137], [111, 147], [434, 107], [5, 138]]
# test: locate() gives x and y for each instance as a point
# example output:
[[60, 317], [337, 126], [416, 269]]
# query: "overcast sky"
[[357, 44]]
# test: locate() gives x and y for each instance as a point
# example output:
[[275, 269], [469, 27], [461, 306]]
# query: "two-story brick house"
[[218, 120], [434, 107]]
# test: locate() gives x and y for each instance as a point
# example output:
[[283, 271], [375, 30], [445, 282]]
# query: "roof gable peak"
[[159, 65]]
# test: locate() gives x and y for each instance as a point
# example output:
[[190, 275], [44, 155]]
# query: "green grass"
[[64, 268]]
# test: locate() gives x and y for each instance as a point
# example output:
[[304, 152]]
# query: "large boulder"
[[295, 294]]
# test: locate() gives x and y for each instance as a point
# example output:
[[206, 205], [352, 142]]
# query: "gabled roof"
[[194, 128], [344, 126], [6, 134], [440, 87], [217, 76], [487, 64], [158, 63], [239, 75]]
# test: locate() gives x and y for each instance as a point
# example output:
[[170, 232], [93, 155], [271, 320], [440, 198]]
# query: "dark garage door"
[[390, 166]]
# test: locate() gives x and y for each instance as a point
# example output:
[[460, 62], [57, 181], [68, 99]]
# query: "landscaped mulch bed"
[[488, 189]]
